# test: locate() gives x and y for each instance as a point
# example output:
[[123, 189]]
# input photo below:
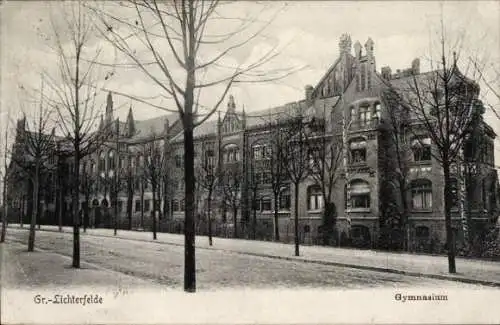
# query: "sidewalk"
[[469, 271], [20, 269]]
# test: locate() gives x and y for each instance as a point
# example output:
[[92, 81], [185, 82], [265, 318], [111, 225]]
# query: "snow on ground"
[[163, 265]]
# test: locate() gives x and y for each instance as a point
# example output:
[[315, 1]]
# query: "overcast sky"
[[307, 31]]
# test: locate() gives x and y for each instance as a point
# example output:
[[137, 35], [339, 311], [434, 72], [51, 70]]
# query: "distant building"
[[238, 140]]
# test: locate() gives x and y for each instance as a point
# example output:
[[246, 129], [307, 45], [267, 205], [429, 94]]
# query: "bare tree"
[[154, 164], [444, 105], [297, 163], [326, 153], [5, 181], [254, 186], [208, 177], [231, 189], [398, 167], [172, 36], [73, 95], [276, 165], [32, 152]]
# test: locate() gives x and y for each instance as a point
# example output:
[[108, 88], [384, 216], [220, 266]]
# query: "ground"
[[159, 264]]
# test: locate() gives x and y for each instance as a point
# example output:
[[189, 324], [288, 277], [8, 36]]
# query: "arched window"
[[378, 112], [231, 153], [359, 194], [111, 160], [421, 147], [102, 161], [357, 149], [421, 194], [315, 199], [265, 204], [285, 199]]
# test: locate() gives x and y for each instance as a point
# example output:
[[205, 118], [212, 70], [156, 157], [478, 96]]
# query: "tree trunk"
[[60, 207], [76, 217], [5, 210], [405, 225], [189, 222], [450, 241], [209, 199], [254, 218], [86, 212], [23, 200], [296, 219], [115, 206], [142, 204], [235, 221], [328, 223], [276, 218], [155, 209], [36, 188], [130, 198]]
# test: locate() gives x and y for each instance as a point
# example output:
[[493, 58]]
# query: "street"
[[161, 264]]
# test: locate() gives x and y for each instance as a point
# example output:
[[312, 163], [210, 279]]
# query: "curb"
[[314, 261]]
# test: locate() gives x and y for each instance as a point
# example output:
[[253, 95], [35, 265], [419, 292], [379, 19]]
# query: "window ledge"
[[358, 210], [315, 210], [422, 162], [421, 211]]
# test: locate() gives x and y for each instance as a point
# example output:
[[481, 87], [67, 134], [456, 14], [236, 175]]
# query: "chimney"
[[309, 90], [386, 72], [415, 66]]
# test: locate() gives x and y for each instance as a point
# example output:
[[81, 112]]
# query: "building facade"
[[141, 168]]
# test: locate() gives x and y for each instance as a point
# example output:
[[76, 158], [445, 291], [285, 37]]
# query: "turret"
[[109, 109], [130, 123]]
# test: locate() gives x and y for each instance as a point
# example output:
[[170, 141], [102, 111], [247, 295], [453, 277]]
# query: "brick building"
[[238, 144]]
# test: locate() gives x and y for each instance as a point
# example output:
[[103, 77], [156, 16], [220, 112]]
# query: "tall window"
[[378, 112], [111, 160], [421, 194], [353, 113], [285, 199], [358, 150], [364, 115], [266, 204], [178, 161], [315, 199], [360, 194], [257, 152], [102, 162], [147, 205], [175, 205], [231, 153], [421, 148], [137, 205], [209, 157]]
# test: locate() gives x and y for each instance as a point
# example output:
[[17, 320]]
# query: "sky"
[[306, 33]]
